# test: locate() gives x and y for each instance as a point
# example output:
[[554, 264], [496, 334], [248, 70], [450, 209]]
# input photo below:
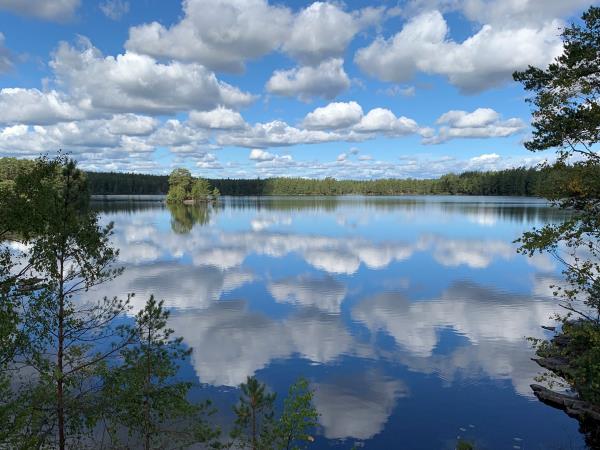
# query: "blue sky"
[[247, 88]]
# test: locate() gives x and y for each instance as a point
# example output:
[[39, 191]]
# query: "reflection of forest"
[[487, 209], [185, 217], [124, 206]]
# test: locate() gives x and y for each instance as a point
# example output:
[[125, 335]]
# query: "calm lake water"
[[407, 314]]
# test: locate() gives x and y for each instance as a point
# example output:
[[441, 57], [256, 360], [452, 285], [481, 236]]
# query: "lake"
[[407, 314]]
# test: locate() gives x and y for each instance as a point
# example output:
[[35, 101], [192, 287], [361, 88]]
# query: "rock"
[[573, 406]]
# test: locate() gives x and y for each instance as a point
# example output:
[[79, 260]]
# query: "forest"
[[518, 182]]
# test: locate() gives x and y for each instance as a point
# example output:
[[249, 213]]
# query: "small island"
[[185, 189]]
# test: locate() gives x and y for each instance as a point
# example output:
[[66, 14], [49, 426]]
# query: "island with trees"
[[184, 188]]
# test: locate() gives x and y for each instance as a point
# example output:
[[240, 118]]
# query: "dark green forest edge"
[[535, 182]]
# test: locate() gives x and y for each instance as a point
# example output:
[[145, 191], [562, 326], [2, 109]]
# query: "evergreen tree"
[[200, 190], [257, 427], [142, 399], [68, 338], [567, 120]]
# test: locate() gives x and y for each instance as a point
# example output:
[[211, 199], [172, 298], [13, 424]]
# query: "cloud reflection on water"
[[325, 316]]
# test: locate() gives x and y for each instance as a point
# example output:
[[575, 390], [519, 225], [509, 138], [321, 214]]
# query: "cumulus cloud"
[[484, 60], [220, 118], [32, 106], [219, 34], [261, 155], [326, 80], [323, 30], [481, 123], [132, 125], [274, 134], [224, 34], [334, 115], [114, 9], [516, 12], [179, 137], [137, 83], [94, 142], [208, 161], [380, 120], [53, 10]]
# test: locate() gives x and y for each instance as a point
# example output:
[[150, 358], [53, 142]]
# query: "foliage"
[[68, 254], [183, 187], [520, 181], [181, 178], [581, 349], [256, 426], [200, 190], [141, 395], [255, 421], [566, 118], [176, 195], [298, 418]]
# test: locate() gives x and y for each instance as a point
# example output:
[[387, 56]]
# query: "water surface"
[[407, 314]]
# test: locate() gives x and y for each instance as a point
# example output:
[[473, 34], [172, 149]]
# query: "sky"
[[262, 88]]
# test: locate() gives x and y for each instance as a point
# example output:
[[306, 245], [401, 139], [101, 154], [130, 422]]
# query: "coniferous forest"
[[517, 182]]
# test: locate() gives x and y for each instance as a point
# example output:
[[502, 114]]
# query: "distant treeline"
[[520, 182]]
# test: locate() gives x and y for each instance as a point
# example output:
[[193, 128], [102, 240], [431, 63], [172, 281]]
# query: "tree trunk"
[[60, 400], [147, 389], [254, 447]]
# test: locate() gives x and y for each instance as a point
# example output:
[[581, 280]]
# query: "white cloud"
[[88, 139], [342, 157], [220, 118], [334, 115], [208, 161], [484, 60], [114, 9], [461, 119], [179, 137], [54, 10], [131, 82], [219, 34], [132, 125], [380, 120], [481, 123], [323, 30], [519, 12], [326, 80], [32, 106], [274, 134], [261, 155]]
